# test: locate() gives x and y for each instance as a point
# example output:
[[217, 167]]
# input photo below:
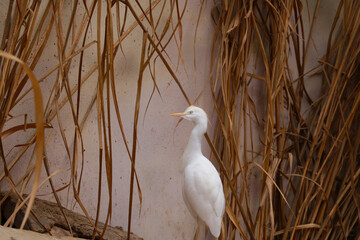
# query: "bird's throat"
[[193, 148]]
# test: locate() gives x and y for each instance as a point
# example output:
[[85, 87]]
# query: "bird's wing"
[[204, 192], [188, 205]]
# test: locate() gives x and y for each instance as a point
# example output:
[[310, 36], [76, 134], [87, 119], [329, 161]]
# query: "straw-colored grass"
[[26, 32], [289, 161], [308, 156]]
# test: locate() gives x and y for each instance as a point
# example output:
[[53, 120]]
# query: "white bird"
[[202, 188]]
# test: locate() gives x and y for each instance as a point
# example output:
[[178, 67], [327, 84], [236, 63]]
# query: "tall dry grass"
[[26, 32], [300, 152], [308, 154]]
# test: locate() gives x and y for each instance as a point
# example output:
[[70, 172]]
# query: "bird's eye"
[[191, 112]]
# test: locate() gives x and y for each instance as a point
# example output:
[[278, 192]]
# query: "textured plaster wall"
[[163, 214]]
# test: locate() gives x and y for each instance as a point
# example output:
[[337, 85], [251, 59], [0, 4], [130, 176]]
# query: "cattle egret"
[[202, 188]]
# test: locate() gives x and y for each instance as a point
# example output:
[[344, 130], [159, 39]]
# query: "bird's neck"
[[193, 148]]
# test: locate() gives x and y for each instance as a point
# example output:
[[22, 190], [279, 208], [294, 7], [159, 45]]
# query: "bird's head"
[[194, 114]]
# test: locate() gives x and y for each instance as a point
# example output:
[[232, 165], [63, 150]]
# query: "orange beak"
[[178, 114]]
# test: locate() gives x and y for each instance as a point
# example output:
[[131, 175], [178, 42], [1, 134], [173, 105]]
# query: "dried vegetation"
[[309, 154]]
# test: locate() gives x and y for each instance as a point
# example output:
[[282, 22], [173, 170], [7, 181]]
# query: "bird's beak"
[[178, 114]]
